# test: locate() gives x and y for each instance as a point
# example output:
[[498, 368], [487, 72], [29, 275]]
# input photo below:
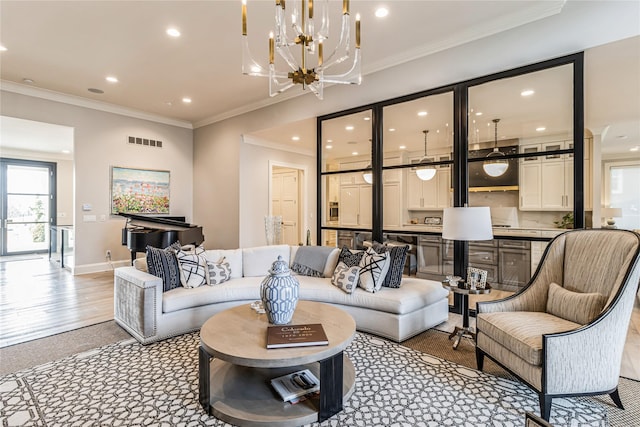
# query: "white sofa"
[[149, 314]]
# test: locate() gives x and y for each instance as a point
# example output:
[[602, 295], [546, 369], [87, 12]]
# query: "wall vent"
[[145, 141]]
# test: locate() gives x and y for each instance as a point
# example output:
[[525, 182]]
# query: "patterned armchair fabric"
[[564, 333]]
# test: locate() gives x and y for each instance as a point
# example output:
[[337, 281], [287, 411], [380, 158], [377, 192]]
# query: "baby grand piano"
[[159, 232]]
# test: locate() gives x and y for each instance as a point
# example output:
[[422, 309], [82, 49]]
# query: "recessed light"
[[112, 79], [636, 148], [355, 153], [28, 81], [403, 147], [367, 118], [349, 127], [94, 90], [328, 147], [173, 32], [422, 113], [186, 100], [381, 12], [329, 140], [295, 138], [479, 113], [527, 92], [541, 129], [3, 49], [392, 129], [66, 151]]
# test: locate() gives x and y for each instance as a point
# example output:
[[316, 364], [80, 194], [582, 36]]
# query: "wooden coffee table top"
[[239, 336]]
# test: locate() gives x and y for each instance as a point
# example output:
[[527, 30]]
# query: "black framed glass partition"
[[507, 141]]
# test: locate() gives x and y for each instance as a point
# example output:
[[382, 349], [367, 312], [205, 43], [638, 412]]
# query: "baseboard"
[[98, 267]]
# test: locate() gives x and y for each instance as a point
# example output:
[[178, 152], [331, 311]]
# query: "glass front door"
[[28, 205]]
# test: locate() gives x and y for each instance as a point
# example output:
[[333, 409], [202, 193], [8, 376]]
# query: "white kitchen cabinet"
[[432, 194], [553, 186], [392, 207], [530, 175], [355, 205]]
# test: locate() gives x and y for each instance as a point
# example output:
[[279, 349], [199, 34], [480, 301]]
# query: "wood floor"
[[38, 299]]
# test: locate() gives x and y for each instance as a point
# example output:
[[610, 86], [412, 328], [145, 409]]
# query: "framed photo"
[[476, 278], [139, 191]]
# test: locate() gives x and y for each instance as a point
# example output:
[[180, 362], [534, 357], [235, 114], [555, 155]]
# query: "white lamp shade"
[[467, 223], [368, 177], [495, 169], [612, 212], [426, 174]]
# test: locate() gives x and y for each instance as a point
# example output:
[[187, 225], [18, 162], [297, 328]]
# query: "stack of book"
[[296, 386], [296, 336]]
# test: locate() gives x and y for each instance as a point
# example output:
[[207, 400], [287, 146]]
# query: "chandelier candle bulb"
[[310, 9], [320, 54], [244, 17], [271, 48], [345, 7], [358, 31]]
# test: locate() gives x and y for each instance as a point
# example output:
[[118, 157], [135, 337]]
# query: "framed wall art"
[[140, 191]]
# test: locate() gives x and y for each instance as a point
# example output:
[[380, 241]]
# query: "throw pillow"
[[349, 257], [373, 269], [346, 278], [576, 307], [193, 269], [219, 272], [163, 263], [398, 255]]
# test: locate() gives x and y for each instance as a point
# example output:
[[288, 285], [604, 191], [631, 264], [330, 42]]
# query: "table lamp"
[[609, 214]]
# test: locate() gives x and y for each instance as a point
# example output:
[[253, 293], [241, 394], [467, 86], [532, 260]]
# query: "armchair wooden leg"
[[615, 396], [545, 406], [479, 358]]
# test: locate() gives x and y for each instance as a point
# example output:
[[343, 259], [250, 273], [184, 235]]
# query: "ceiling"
[[69, 47]]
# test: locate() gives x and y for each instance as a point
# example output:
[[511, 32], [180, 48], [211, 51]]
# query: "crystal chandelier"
[[495, 165], [427, 172], [297, 43]]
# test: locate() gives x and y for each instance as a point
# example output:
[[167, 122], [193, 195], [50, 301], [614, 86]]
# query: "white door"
[[284, 202]]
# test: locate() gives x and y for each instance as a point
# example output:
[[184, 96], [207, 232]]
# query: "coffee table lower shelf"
[[243, 396]]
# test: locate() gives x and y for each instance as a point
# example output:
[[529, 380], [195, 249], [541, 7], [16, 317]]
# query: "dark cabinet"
[[515, 264], [430, 257]]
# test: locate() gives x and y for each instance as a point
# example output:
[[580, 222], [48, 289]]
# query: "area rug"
[[129, 384]]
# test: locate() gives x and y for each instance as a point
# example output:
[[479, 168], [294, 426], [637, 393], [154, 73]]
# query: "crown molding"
[[248, 139], [78, 101]]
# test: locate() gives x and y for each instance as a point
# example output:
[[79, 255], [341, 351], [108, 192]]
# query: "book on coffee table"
[[296, 386], [296, 336]]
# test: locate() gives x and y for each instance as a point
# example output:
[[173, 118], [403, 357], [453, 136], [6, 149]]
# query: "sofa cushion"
[[219, 272], [232, 256], [349, 257], [576, 307], [521, 331], [244, 288], [163, 263], [398, 257], [193, 269], [373, 270], [256, 262], [330, 264], [413, 295], [346, 278]]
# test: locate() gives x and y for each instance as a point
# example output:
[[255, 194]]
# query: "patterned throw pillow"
[[398, 256], [219, 272], [373, 269], [193, 269], [163, 263], [349, 257], [346, 278]]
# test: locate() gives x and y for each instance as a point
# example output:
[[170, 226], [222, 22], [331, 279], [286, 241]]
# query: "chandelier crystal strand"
[[303, 50]]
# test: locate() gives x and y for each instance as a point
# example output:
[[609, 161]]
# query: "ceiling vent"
[[145, 141]]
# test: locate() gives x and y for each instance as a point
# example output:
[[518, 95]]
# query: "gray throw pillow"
[[575, 307]]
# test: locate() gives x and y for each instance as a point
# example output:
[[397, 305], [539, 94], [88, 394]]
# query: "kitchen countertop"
[[497, 231]]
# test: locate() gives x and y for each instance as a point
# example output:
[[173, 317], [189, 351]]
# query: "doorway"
[[286, 197], [27, 205]]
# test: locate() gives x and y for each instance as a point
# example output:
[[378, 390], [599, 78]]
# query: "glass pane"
[[25, 208], [346, 142], [27, 237], [27, 180], [330, 238], [531, 113], [407, 124], [355, 201], [331, 200], [625, 194]]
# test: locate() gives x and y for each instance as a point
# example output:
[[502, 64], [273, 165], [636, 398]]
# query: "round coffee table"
[[235, 387]]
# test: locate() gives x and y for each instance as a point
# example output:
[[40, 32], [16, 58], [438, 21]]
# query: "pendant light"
[[496, 164], [427, 172]]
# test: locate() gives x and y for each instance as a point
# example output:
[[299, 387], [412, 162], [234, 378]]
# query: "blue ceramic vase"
[[279, 293]]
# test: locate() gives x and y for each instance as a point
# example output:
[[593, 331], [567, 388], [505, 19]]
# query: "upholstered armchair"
[[564, 333]]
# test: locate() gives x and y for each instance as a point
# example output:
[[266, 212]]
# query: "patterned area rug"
[[125, 384]]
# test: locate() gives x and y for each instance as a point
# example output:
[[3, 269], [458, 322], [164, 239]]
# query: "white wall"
[[573, 30], [100, 141]]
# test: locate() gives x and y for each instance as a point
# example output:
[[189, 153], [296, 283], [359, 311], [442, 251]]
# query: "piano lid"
[[155, 222]]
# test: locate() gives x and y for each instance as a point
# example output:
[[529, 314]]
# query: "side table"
[[466, 330]]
